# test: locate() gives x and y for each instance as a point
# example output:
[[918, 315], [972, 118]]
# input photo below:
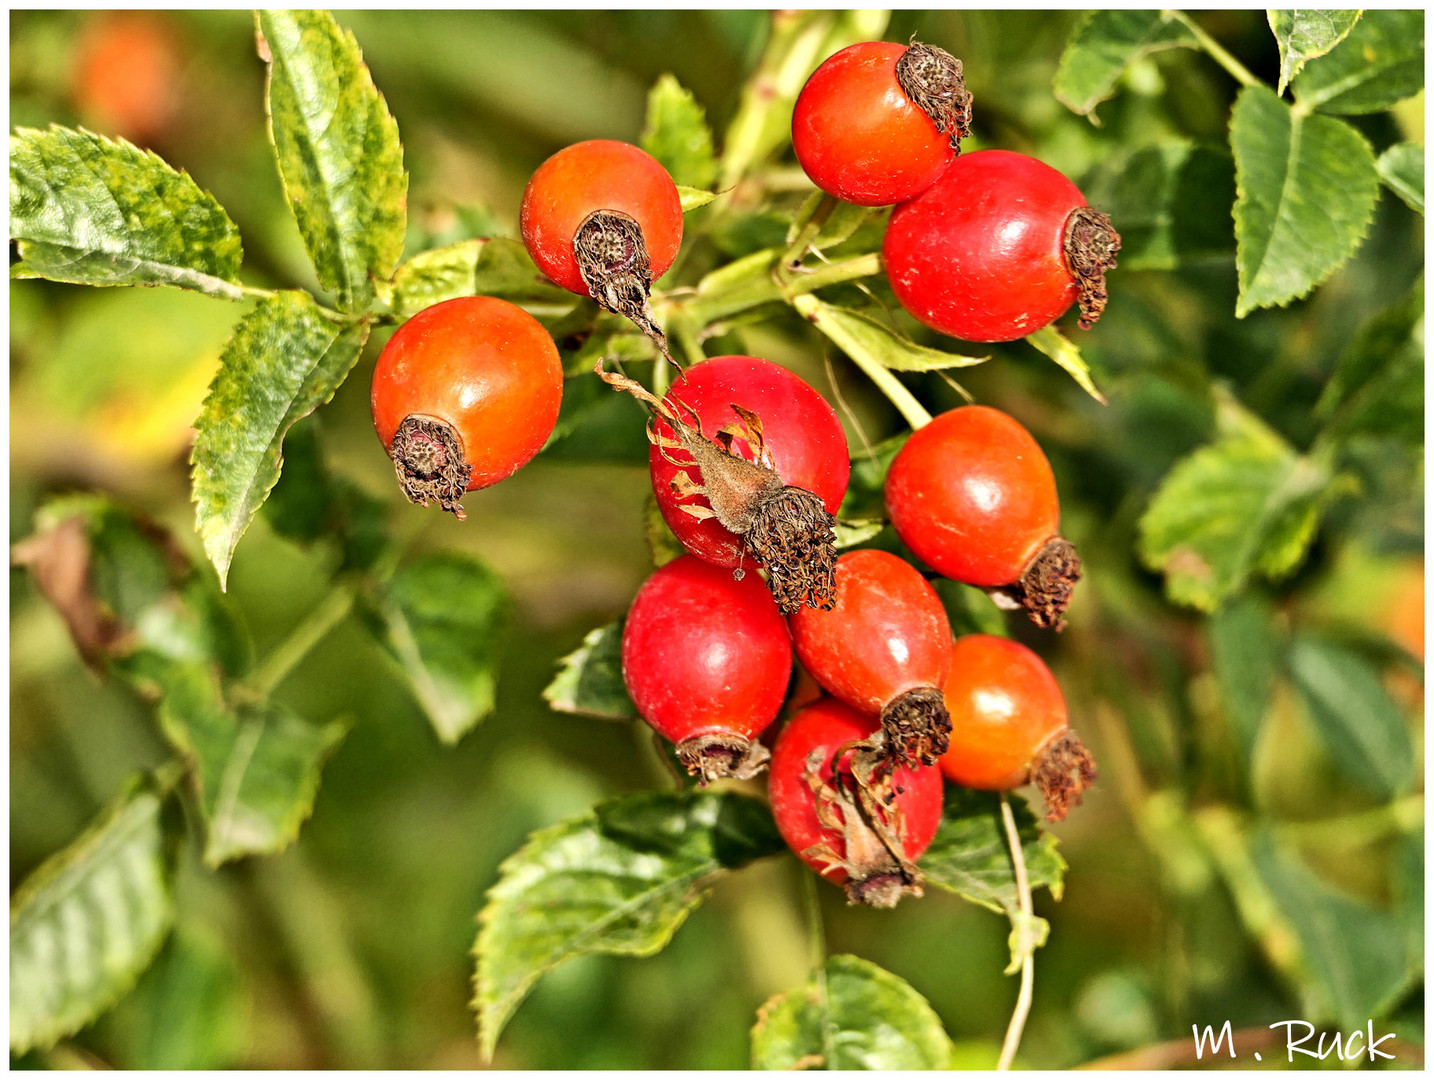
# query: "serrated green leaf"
[[497, 267], [1306, 188], [1353, 954], [589, 680], [440, 616], [1173, 204], [1067, 356], [1104, 44], [337, 149], [620, 879], [969, 856], [1362, 728], [691, 198], [1307, 33], [258, 765], [87, 922], [857, 334], [93, 211], [859, 1016], [1245, 656], [1378, 65], [1237, 505], [1378, 385], [130, 598], [284, 361], [1401, 167], [677, 135]]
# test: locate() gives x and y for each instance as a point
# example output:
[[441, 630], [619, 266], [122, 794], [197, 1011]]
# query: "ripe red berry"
[[1009, 725], [464, 394], [878, 122], [707, 661], [866, 838], [997, 248], [603, 219], [884, 648], [749, 465], [972, 495]]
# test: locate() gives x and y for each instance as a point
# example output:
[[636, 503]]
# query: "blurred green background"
[[352, 948]]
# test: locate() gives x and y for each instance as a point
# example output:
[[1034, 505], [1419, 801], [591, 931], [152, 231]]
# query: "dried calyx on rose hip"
[[603, 219], [864, 836], [786, 529], [464, 394], [1009, 725], [707, 661], [883, 648], [973, 496]]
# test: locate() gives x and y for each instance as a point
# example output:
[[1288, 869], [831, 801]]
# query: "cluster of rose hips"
[[749, 465]]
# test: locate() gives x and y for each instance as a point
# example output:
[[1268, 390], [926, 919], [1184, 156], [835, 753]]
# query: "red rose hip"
[[866, 838], [877, 122], [972, 495], [603, 219], [1009, 725], [707, 660], [998, 247], [749, 465], [884, 648], [464, 394]]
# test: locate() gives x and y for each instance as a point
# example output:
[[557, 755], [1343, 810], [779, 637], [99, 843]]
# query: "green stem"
[[328, 613], [817, 938], [1237, 70], [792, 257], [1028, 973], [756, 286]]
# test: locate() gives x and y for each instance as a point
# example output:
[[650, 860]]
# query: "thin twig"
[[817, 939], [1237, 70], [328, 613], [1028, 967]]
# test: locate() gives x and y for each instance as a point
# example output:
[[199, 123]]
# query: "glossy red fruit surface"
[[887, 634], [850, 848], [979, 254], [972, 495], [803, 440], [484, 367], [704, 654], [1005, 709], [857, 134], [600, 174]]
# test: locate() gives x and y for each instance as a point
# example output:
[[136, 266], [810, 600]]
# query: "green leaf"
[[87, 922], [284, 361], [1401, 167], [1378, 385], [677, 135], [1354, 954], [131, 599], [589, 680], [1305, 34], [619, 879], [851, 533], [1362, 728], [1067, 356], [969, 856], [856, 1016], [92, 211], [497, 267], [1245, 654], [1377, 66], [691, 198], [337, 148], [970, 610], [1173, 204], [189, 1011], [1104, 45], [1306, 188], [440, 616], [841, 222], [1245, 503], [857, 334], [257, 765]]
